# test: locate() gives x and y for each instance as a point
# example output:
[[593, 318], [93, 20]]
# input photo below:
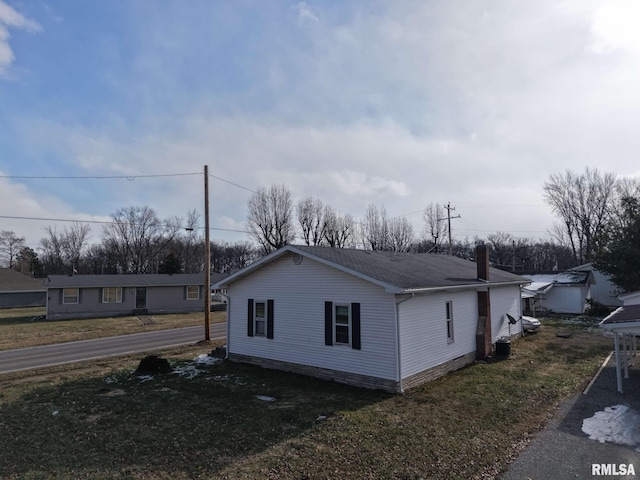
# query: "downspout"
[[226, 295], [398, 343]]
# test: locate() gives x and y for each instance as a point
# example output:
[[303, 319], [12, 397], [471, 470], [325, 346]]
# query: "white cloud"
[[615, 26], [305, 14], [11, 18]]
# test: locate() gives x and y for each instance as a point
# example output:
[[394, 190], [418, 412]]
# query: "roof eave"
[[471, 286]]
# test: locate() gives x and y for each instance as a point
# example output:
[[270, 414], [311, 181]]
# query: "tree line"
[[598, 221]]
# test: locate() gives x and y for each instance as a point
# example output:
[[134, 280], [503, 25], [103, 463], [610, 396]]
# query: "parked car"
[[530, 324]]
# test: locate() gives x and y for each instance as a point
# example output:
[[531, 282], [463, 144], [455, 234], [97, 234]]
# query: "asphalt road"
[[48, 355]]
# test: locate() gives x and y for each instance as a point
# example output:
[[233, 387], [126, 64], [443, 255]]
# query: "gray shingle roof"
[[147, 280], [410, 270], [404, 271], [625, 314]]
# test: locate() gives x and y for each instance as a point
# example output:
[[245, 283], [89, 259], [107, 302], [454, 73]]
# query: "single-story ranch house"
[[86, 296], [19, 290], [368, 318]]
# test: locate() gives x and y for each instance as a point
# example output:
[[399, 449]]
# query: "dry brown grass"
[[19, 330], [466, 425]]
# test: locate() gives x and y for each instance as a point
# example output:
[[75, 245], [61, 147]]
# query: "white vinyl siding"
[[423, 329], [112, 295], [70, 296], [505, 300], [300, 292]]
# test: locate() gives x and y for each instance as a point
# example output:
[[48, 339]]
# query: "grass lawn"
[[19, 330], [98, 420]]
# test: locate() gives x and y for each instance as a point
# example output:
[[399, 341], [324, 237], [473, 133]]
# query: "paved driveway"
[[564, 451]]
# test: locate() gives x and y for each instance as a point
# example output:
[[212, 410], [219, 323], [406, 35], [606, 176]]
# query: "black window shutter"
[[61, 296], [269, 318], [328, 323], [122, 295], [79, 295], [250, 317], [355, 326], [100, 295]]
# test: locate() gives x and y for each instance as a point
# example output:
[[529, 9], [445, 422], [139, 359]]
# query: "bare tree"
[[62, 251], [10, 246], [400, 234], [435, 227], [137, 236], [583, 204], [270, 219], [338, 229], [374, 228], [310, 217]]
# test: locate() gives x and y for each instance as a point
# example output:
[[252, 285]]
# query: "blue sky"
[[399, 103]]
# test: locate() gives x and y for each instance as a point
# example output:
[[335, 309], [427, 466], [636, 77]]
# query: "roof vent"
[[297, 258]]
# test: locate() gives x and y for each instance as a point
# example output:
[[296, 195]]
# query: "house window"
[[193, 292], [70, 295], [112, 295], [260, 319], [449, 317], [342, 324]]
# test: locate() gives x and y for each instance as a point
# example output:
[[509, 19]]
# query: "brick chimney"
[[483, 332]]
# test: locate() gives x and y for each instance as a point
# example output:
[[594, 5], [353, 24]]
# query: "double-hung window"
[[260, 318], [449, 317], [342, 324], [70, 296], [112, 295], [193, 292]]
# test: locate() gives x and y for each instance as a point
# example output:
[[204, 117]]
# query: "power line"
[[126, 177], [232, 183], [96, 177], [105, 222]]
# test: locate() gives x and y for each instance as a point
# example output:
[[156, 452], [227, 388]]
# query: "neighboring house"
[[86, 296], [624, 324], [565, 292], [18, 290], [368, 318], [603, 290]]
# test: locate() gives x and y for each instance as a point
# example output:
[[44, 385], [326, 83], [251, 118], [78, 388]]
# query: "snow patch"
[[264, 398], [618, 424], [145, 378], [205, 359]]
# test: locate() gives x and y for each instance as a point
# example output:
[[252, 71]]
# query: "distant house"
[[86, 296], [368, 318], [18, 290], [603, 290], [624, 324], [565, 292]]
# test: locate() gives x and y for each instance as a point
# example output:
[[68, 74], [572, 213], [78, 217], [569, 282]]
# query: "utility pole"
[[207, 258], [449, 217]]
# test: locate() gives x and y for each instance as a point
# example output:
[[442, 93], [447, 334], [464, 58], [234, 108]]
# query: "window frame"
[[262, 319], [449, 321], [65, 296], [349, 324], [189, 293], [106, 294]]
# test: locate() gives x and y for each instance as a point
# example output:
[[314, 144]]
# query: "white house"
[[374, 319], [603, 290], [565, 292], [624, 324]]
